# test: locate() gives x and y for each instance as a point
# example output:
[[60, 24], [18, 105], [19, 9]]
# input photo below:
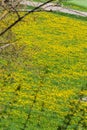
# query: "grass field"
[[80, 2], [43, 76], [77, 4]]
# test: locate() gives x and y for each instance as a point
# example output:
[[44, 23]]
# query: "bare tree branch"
[[20, 18], [4, 46], [14, 9], [4, 15]]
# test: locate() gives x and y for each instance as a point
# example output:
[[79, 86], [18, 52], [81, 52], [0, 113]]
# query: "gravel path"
[[53, 7]]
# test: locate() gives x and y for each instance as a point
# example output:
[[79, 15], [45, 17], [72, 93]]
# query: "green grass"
[[79, 2], [76, 5], [81, 18], [43, 75]]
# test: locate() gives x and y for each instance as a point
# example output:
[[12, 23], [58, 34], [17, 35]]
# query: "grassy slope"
[[80, 2], [43, 77], [78, 5]]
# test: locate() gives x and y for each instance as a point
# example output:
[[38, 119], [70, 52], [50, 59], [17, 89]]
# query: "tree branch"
[[20, 18], [4, 46]]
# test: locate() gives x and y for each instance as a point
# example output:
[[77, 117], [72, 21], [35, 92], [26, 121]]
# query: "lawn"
[[79, 2], [76, 4], [43, 76]]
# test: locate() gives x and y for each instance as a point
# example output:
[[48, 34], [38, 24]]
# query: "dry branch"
[[22, 17], [4, 46]]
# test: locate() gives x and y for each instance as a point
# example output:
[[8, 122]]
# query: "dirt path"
[[53, 7]]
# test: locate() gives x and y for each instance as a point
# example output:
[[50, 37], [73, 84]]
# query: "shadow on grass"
[[71, 16]]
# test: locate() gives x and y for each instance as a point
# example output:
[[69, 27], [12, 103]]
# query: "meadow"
[[79, 2], [43, 76], [76, 4]]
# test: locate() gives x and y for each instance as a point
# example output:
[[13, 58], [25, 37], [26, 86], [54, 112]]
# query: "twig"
[[4, 15], [19, 19], [3, 47]]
